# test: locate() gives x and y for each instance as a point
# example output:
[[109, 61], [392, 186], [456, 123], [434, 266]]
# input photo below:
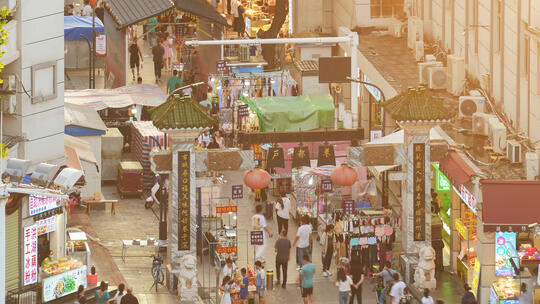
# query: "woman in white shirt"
[[343, 283], [427, 299], [283, 207]]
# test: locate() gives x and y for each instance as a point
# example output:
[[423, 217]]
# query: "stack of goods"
[[237, 279], [506, 289], [145, 136]]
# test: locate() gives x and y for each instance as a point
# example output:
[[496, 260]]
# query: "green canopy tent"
[[282, 114], [181, 113]]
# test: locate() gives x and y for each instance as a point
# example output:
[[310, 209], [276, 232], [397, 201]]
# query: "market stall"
[[504, 291], [61, 277], [77, 30]]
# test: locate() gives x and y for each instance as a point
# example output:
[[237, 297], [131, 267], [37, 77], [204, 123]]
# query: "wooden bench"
[[98, 199]]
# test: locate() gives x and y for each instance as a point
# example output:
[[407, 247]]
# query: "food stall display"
[[529, 257], [62, 277], [237, 280], [466, 228], [78, 247], [504, 291]]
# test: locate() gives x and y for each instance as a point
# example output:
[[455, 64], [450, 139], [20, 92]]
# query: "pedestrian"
[[387, 274], [244, 286], [226, 289], [303, 240], [213, 144], [357, 273], [151, 28], [427, 299], [327, 249], [100, 11], [120, 294], [524, 296], [306, 279], [102, 296], [157, 52], [139, 80], [173, 82], [260, 282], [343, 283], [229, 268], [258, 223], [129, 298], [135, 58], [283, 207], [468, 297], [205, 137], [81, 297], [396, 292], [283, 254], [87, 10], [168, 44], [219, 139], [440, 302]]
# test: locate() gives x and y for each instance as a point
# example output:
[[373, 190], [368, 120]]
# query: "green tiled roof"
[[418, 104], [181, 113]]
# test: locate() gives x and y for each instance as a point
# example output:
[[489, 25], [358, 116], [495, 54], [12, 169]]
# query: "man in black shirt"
[[283, 252], [129, 298], [100, 12], [158, 51]]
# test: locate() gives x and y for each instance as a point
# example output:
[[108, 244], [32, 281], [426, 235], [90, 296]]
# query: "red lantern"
[[343, 175], [257, 179]]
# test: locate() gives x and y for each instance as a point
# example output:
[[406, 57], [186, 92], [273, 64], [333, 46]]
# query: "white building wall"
[[534, 102], [40, 40], [309, 15]]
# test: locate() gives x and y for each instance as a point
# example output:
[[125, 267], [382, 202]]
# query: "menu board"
[[505, 247], [63, 284], [30, 255], [184, 212], [257, 237], [419, 191], [348, 207], [46, 225], [39, 203]]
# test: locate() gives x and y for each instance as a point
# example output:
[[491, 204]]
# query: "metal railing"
[[25, 295]]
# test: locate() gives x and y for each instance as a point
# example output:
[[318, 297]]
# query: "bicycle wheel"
[[160, 276]]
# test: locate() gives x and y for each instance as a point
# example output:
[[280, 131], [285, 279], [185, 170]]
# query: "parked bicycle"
[[157, 272]]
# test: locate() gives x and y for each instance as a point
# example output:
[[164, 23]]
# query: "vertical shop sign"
[[419, 191], [101, 45], [184, 212], [275, 158], [221, 66], [476, 277], [505, 249], [243, 110], [326, 156], [30, 254], [326, 186], [468, 198], [301, 157], [256, 237], [237, 192], [348, 207]]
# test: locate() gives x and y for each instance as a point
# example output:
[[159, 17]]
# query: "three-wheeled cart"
[[130, 174]]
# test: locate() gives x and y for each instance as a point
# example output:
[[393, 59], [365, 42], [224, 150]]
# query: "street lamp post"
[[383, 100]]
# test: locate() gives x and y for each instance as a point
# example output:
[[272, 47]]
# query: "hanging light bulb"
[[235, 217]]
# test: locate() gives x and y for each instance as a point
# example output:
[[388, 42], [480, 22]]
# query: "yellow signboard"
[[476, 277], [461, 229]]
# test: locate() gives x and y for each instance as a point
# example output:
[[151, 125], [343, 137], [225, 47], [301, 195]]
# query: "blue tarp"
[[74, 26]]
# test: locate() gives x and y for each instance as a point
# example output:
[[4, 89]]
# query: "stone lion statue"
[[187, 283], [424, 275]]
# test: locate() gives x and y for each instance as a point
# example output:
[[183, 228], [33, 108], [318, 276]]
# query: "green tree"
[[4, 18]]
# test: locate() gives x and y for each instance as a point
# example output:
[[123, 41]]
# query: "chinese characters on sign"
[[226, 249], [184, 212], [326, 156], [226, 209], [326, 186], [30, 255], [257, 237], [101, 45], [348, 207], [243, 111], [468, 198], [419, 191], [505, 249], [221, 66], [237, 192], [39, 204], [476, 277], [275, 158], [301, 157], [47, 225]]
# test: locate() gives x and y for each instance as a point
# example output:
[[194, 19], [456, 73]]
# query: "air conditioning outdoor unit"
[[480, 123], [430, 57], [468, 105], [415, 31], [437, 78], [419, 50], [9, 104], [423, 72], [513, 151], [9, 86], [456, 74], [497, 135]]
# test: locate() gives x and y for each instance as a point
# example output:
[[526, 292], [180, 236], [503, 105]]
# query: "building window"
[[44, 82], [386, 8]]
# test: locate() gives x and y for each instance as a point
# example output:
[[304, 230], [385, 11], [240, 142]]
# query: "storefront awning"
[[510, 205], [455, 168]]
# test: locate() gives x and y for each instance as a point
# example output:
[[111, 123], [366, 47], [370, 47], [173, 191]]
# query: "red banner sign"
[[226, 209], [227, 249]]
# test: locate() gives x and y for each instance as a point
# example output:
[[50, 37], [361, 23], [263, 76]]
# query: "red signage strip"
[[227, 249], [226, 209]]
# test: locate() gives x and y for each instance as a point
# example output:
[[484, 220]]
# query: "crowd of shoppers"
[[124, 295]]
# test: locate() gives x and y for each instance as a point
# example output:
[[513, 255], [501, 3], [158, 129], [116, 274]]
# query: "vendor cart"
[[130, 175]]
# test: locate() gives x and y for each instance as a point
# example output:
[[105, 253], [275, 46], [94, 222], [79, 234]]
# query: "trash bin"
[[269, 279]]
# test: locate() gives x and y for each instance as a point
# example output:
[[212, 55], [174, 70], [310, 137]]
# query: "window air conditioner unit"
[[513, 151], [9, 104], [437, 78], [456, 74], [468, 105], [480, 123], [419, 50], [423, 72], [497, 135], [415, 31]]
